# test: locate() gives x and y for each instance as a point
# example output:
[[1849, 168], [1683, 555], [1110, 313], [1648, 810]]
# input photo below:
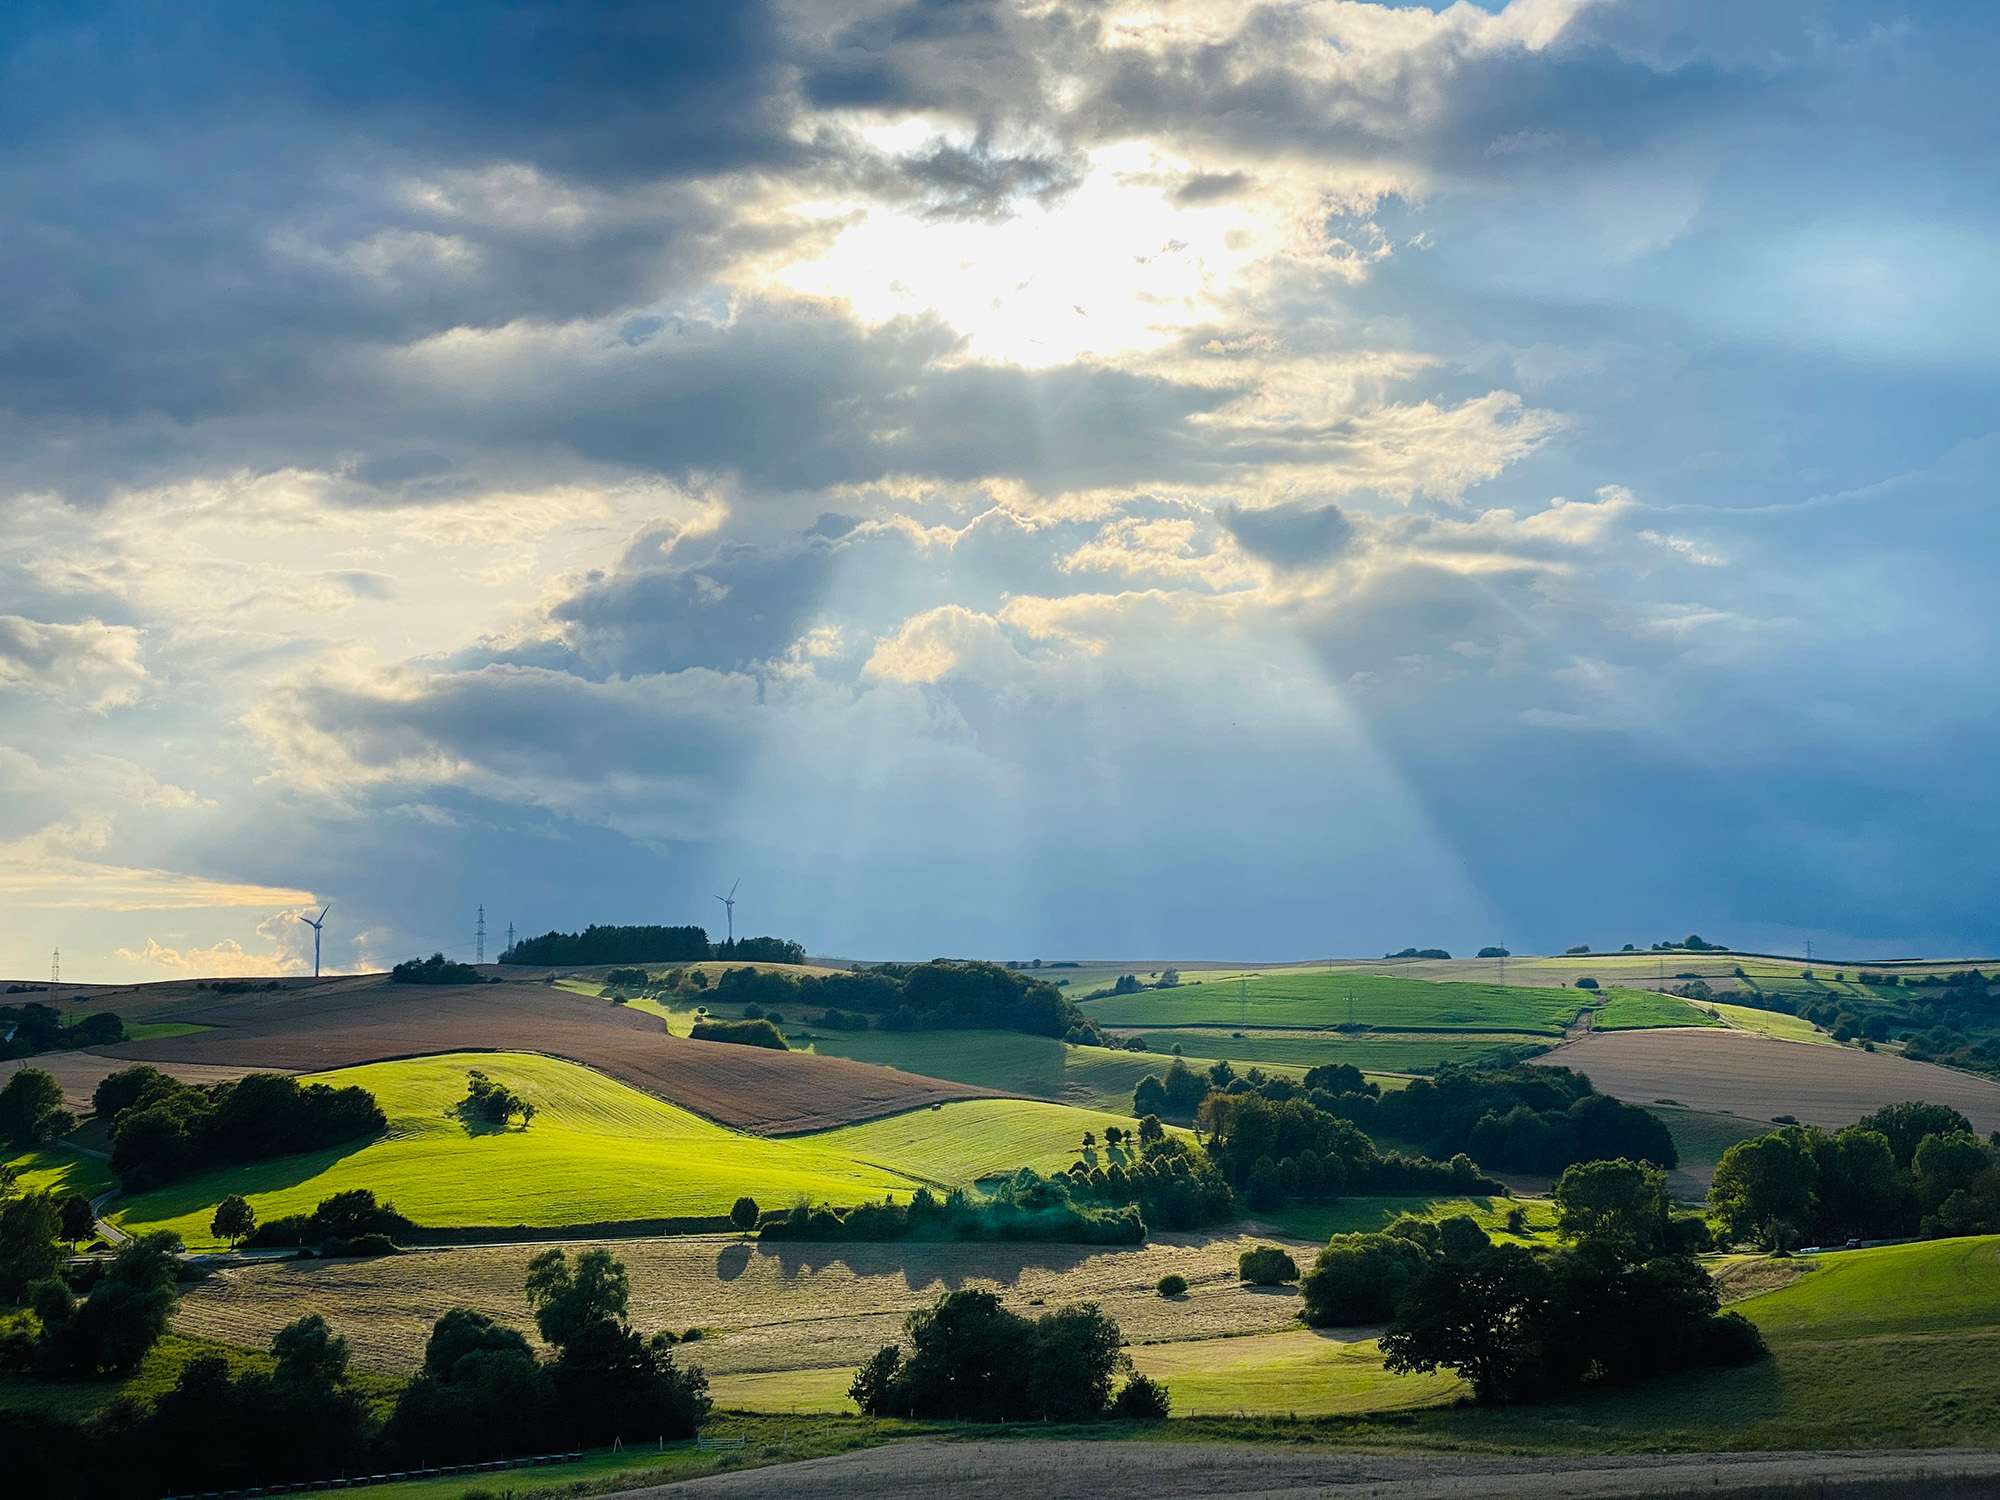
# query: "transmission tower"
[[510, 938], [55, 967], [479, 937]]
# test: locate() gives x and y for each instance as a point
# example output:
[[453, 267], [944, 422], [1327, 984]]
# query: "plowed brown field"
[[337, 1026], [1757, 1077]]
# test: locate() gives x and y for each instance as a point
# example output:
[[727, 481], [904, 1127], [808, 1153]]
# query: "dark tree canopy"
[[613, 945]]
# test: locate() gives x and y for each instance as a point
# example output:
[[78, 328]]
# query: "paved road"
[[1141, 1471]]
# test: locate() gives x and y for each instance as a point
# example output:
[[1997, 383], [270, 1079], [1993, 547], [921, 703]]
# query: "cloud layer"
[[1007, 478]]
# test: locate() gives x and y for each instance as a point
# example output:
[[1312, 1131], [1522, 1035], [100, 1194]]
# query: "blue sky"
[[1037, 479]]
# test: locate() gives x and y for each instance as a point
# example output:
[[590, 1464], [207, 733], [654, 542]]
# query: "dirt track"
[[1758, 1077], [334, 1026], [1141, 1470]]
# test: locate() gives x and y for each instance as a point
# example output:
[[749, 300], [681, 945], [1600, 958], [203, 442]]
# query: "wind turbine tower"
[[316, 923], [729, 908], [479, 936]]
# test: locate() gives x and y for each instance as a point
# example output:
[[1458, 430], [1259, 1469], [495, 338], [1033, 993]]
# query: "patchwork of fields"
[[600, 1152]]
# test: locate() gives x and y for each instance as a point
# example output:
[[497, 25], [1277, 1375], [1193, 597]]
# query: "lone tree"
[[78, 1222], [492, 1102], [743, 1213], [234, 1220]]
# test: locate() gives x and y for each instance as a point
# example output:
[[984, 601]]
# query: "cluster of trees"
[[1028, 1206], [437, 969], [125, 1306], [1911, 1168], [648, 945], [1522, 1119], [31, 1110], [163, 1129], [487, 1101], [1178, 1093], [26, 1030], [1132, 984], [759, 1032], [1624, 1301], [349, 1223], [299, 1417], [1273, 1150], [1169, 1183], [974, 1360], [1419, 953], [938, 995]]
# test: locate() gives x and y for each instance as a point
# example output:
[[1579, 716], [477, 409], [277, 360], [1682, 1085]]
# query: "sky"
[[1059, 478]]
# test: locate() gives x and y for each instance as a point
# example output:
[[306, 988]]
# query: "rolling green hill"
[[599, 1151]]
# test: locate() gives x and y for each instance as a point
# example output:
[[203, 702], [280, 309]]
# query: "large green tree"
[[1622, 1204]]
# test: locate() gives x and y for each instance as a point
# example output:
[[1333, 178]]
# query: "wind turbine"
[[315, 923], [729, 906]]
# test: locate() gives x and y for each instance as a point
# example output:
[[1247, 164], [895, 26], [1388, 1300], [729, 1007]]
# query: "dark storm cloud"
[[610, 91], [1294, 535], [740, 604]]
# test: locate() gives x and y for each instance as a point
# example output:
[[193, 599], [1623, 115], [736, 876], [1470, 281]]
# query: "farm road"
[[1141, 1470]]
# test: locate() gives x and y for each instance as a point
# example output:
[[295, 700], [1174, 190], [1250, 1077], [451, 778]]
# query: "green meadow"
[[1012, 1061], [1371, 1051], [598, 1151], [61, 1170], [1319, 997]]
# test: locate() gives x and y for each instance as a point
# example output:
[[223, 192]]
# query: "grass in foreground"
[[598, 1151]]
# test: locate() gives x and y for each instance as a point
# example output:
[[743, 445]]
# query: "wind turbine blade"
[[732, 889]]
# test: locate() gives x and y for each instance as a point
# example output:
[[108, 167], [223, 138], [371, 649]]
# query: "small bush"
[[748, 1033], [1266, 1265], [1142, 1399], [1172, 1285]]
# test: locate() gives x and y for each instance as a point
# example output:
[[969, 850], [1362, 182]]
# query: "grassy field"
[[1318, 997], [597, 1151], [762, 1307], [1089, 1077], [1701, 1137], [153, 1031], [1631, 1010], [1774, 1024], [1373, 1052], [62, 1171], [1302, 1372]]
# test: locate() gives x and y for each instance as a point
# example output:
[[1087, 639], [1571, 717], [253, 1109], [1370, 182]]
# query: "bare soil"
[[80, 1073], [1758, 1077], [1144, 1470], [336, 1025]]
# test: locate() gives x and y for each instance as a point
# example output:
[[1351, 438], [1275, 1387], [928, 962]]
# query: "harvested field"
[[1141, 1470], [761, 1307], [80, 1073], [338, 1026], [1734, 1072]]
